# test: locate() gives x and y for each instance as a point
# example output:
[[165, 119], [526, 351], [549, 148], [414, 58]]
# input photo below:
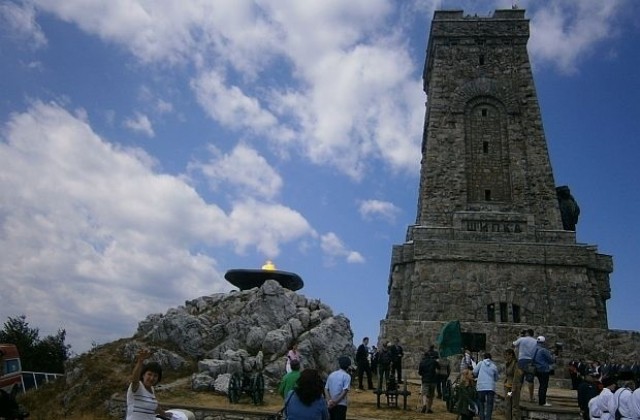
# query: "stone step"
[[564, 405]]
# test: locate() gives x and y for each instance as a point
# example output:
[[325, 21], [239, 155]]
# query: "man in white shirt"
[[337, 388], [525, 346], [605, 398], [594, 408], [621, 402]]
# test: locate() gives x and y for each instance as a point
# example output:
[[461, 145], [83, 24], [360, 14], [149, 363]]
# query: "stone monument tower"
[[489, 247]]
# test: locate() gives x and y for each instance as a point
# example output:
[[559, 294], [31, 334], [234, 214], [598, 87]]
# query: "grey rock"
[[244, 332], [221, 383], [203, 381]]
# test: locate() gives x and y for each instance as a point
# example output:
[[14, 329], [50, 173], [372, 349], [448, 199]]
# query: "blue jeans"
[[485, 404]]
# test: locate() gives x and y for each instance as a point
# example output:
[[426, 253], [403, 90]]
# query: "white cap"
[[541, 339]]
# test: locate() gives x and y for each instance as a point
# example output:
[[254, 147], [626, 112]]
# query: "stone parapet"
[[505, 252], [490, 230]]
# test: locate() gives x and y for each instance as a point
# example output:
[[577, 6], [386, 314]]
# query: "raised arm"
[[143, 354]]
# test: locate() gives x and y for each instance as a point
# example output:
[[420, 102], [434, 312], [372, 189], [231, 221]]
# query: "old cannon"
[[250, 383]]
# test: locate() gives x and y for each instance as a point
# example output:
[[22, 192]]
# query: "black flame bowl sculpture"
[[245, 279]]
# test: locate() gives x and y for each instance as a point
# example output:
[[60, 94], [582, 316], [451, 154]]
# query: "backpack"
[[385, 358]]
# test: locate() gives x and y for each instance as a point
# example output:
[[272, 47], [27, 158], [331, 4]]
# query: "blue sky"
[[149, 146]]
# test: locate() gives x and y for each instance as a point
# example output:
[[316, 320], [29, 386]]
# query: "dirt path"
[[362, 404]]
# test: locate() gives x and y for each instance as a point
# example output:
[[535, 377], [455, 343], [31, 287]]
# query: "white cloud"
[[361, 106], [19, 22], [244, 170], [229, 105], [140, 123], [333, 248], [352, 100], [82, 219], [372, 209], [265, 226], [171, 32], [564, 32]]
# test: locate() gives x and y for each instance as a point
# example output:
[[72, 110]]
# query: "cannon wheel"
[[235, 388], [257, 388]]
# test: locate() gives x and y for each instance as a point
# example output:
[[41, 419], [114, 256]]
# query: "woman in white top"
[[293, 354], [141, 398]]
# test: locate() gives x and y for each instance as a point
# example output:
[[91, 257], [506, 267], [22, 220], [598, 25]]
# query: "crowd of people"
[[384, 361], [299, 387], [607, 391], [474, 391], [604, 391]]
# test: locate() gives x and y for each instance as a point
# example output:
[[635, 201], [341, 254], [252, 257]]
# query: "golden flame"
[[268, 265]]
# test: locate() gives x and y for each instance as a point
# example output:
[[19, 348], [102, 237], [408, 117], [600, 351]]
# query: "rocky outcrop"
[[245, 331]]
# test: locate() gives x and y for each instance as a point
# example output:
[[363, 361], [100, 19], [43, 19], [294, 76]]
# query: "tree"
[[46, 355]]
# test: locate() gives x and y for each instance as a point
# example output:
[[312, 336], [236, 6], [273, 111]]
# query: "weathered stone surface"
[[489, 248], [204, 382], [247, 331]]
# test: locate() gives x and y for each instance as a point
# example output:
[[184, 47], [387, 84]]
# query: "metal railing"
[[35, 379]]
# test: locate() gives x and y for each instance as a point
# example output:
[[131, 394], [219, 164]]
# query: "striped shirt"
[[142, 404]]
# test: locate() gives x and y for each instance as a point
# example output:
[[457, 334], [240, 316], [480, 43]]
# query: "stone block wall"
[[540, 284], [484, 146], [578, 343]]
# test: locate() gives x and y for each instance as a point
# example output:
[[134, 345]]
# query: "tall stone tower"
[[488, 247]]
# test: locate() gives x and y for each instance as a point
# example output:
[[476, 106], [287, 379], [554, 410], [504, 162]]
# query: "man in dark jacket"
[[384, 365], [397, 353], [427, 370], [543, 359], [587, 389], [362, 360]]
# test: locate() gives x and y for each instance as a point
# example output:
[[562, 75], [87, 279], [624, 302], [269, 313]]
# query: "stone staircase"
[[564, 406]]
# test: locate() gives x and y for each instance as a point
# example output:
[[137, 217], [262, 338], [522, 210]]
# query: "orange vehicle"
[[10, 368]]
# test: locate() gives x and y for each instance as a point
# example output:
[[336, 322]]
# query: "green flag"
[[450, 339]]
